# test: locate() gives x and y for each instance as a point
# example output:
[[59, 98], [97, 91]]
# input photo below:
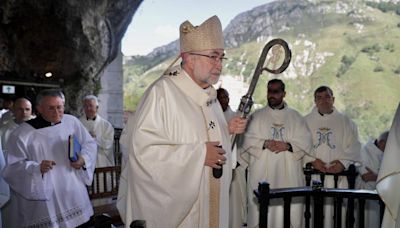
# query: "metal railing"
[[315, 195], [117, 148], [264, 194], [350, 174]]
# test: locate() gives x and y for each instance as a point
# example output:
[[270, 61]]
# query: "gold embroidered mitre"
[[206, 36]]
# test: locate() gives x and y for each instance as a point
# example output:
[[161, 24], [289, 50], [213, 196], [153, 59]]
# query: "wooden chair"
[[105, 186]]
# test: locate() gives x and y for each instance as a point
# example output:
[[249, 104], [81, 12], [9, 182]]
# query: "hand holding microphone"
[[215, 158]]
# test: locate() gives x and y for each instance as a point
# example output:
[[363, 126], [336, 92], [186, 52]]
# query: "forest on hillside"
[[352, 47]]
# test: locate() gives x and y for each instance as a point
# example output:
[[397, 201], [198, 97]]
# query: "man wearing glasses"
[[177, 136], [51, 188]]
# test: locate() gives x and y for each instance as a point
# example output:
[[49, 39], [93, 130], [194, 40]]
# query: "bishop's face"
[[51, 109], [206, 66]]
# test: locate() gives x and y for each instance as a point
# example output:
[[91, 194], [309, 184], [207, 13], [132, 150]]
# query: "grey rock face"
[[73, 39]]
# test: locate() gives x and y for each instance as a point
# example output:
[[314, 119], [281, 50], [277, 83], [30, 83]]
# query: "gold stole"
[[205, 99], [214, 134]]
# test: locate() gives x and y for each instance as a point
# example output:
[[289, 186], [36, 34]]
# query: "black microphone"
[[217, 173]]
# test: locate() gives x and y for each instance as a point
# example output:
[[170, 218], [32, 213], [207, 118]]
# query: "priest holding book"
[[51, 188]]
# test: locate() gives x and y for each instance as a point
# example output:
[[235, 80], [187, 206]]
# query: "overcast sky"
[[156, 22]]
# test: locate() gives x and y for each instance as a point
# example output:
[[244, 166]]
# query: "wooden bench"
[[105, 186]]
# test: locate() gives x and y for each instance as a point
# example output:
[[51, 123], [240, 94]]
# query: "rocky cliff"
[[72, 39]]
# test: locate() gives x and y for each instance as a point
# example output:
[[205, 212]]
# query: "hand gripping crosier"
[[247, 101]]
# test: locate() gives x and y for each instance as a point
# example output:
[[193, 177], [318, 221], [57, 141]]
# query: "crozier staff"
[[174, 138]]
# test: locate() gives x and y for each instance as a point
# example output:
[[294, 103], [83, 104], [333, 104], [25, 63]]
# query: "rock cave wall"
[[73, 39]]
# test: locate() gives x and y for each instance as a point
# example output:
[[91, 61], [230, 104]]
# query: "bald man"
[[22, 111]]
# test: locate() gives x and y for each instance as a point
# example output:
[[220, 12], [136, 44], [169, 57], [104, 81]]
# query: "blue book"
[[74, 148]]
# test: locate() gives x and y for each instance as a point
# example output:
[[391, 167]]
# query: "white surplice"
[[388, 181], [280, 170], [165, 181], [335, 137], [104, 132], [5, 131], [238, 190], [59, 197], [371, 157], [10, 218], [104, 138], [4, 189], [6, 117]]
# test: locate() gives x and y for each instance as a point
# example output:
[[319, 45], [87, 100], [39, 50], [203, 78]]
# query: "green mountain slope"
[[353, 48]]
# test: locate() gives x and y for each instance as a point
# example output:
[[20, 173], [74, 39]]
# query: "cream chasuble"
[[389, 176], [371, 157], [165, 181], [335, 137], [280, 170]]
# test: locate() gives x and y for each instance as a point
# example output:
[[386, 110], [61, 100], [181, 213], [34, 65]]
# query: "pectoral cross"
[[211, 125]]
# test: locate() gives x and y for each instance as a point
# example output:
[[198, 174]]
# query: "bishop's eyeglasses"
[[214, 58]]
